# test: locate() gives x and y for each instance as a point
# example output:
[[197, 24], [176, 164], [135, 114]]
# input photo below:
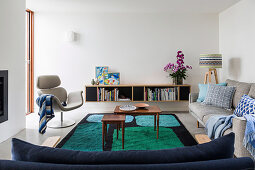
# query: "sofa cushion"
[[220, 148], [241, 89], [203, 91], [206, 117], [245, 106], [252, 91], [202, 110], [231, 82], [231, 163], [219, 96]]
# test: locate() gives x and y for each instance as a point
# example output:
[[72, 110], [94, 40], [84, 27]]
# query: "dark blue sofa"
[[217, 154], [224, 164]]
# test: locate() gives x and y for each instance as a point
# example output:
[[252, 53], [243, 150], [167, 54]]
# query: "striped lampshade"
[[210, 60]]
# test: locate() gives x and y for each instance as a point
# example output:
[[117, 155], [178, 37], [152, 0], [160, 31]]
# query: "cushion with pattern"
[[245, 106], [219, 96], [203, 91]]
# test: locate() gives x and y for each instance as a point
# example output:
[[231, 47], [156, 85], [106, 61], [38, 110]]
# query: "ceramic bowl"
[[141, 105], [127, 108]]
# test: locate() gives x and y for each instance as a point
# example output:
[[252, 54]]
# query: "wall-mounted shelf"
[[137, 93]]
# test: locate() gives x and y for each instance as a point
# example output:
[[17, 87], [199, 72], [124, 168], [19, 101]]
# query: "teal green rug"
[[139, 134], [86, 137], [165, 121], [145, 138]]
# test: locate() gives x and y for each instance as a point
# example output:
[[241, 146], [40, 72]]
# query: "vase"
[[93, 82], [178, 80]]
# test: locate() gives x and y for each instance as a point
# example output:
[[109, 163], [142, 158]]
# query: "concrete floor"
[[31, 134]]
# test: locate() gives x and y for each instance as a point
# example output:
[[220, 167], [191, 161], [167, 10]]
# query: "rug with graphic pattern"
[[139, 134]]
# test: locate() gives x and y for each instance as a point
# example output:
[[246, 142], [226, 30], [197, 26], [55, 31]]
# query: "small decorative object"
[[97, 82], [112, 78], [211, 61], [141, 105], [100, 71], [178, 70], [93, 82], [127, 108]]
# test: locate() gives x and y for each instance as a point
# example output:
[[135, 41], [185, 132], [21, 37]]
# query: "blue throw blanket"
[[216, 125], [249, 137], [45, 112]]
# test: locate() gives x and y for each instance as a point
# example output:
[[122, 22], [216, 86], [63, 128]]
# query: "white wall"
[[136, 44], [12, 58], [237, 41]]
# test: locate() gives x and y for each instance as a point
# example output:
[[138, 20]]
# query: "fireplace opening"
[[3, 95]]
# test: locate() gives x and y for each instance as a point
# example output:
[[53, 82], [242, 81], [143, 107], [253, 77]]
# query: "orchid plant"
[[177, 70]]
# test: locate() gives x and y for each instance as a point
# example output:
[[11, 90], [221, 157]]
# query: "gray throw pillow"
[[220, 96]]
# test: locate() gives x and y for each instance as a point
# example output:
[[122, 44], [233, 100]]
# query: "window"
[[30, 61]]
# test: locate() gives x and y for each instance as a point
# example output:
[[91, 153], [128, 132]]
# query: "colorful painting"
[[100, 71], [112, 79]]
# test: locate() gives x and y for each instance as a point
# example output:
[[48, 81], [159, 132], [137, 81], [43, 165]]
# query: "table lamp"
[[211, 61]]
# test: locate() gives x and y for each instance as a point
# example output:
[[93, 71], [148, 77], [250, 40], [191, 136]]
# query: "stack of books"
[[108, 95], [161, 94]]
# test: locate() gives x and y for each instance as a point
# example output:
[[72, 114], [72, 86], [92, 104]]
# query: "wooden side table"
[[202, 138], [113, 119]]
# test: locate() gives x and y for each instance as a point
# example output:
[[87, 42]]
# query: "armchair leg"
[[60, 124], [197, 124]]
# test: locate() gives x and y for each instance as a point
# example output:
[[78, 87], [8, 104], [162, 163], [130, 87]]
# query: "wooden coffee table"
[[151, 110], [113, 119]]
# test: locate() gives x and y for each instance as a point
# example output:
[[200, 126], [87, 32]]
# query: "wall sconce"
[[70, 36]]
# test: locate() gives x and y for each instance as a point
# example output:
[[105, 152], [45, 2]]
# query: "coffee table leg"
[[117, 130], [103, 129], [155, 122], [157, 125], [123, 131]]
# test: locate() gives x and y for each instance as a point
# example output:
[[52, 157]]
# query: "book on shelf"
[[108, 95], [161, 94]]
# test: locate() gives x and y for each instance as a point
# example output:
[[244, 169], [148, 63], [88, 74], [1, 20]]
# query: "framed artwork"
[[100, 71], [112, 78]]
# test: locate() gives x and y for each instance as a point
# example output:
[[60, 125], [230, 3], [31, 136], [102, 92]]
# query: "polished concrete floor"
[[32, 135]]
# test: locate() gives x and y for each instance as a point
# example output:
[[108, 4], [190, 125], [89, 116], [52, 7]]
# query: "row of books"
[[108, 95], [159, 94]]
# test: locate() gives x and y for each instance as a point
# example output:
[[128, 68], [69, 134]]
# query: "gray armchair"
[[49, 84]]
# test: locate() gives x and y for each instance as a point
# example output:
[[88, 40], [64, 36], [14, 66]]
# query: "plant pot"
[[178, 80]]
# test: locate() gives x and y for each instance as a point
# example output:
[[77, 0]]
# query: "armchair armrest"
[[75, 98], [193, 97], [74, 101]]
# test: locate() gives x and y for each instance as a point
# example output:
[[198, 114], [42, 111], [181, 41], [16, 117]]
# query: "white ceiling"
[[169, 6]]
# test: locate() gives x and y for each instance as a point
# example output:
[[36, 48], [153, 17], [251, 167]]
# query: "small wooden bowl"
[[141, 105]]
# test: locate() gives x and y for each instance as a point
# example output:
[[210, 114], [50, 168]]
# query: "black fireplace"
[[3, 95]]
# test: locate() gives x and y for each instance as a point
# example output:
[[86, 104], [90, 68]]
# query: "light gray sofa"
[[203, 112]]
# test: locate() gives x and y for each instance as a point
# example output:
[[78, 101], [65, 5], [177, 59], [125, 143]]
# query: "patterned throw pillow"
[[219, 96], [245, 106], [203, 91]]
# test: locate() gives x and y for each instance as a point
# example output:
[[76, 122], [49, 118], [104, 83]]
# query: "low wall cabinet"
[[137, 93]]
